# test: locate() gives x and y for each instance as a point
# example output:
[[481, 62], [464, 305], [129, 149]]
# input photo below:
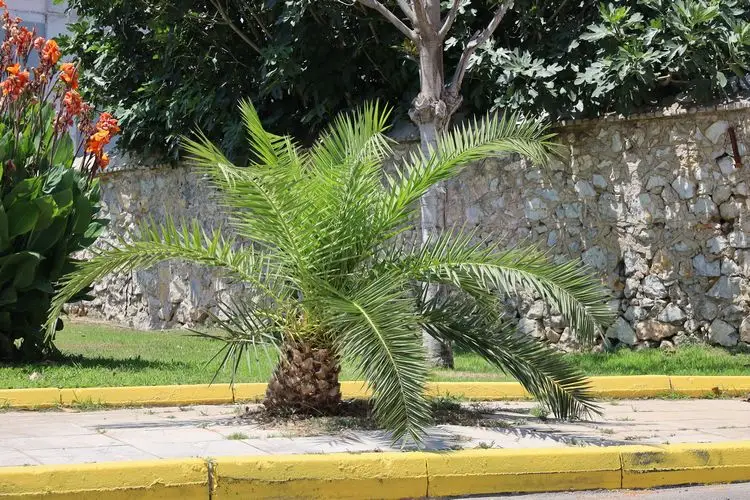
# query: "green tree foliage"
[[169, 66], [336, 261], [571, 59]]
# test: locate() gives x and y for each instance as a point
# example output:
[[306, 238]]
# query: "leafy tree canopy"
[[173, 65]]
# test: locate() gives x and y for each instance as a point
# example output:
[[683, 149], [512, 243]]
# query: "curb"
[[386, 475], [638, 386]]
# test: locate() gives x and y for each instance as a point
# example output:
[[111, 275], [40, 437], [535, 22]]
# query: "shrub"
[[48, 202]]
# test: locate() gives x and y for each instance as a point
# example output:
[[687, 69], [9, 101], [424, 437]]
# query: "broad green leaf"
[[22, 217], [4, 239], [27, 188], [47, 211]]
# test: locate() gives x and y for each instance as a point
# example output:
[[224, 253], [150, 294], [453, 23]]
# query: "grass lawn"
[[99, 355]]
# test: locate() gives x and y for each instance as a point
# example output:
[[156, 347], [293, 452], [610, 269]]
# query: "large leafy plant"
[[48, 206], [332, 255], [592, 58]]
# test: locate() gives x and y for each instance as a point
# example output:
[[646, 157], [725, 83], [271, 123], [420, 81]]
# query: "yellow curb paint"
[[648, 467], [249, 392], [355, 389], [184, 479], [638, 386], [703, 386], [150, 395], [30, 398], [475, 472], [478, 391], [361, 476], [386, 475]]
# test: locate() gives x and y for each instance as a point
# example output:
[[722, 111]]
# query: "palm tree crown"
[[326, 237]]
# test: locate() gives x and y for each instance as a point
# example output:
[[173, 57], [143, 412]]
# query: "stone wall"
[[171, 294], [655, 204]]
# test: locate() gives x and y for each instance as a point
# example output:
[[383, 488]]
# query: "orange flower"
[[2, 4], [15, 84], [103, 161], [72, 102], [108, 123], [39, 42], [69, 74], [97, 142], [23, 40], [51, 53]]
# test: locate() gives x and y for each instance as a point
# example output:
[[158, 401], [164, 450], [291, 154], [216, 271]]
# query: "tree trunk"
[[306, 380], [430, 113], [432, 212]]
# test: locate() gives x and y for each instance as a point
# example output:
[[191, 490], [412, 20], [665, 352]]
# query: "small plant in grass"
[[340, 274], [237, 436], [539, 412], [48, 205]]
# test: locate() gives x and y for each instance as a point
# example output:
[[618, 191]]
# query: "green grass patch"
[[102, 355], [689, 360]]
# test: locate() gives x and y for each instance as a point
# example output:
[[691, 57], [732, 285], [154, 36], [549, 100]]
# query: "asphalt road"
[[717, 492]]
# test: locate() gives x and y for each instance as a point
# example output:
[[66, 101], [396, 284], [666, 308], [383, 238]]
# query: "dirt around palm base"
[[358, 414]]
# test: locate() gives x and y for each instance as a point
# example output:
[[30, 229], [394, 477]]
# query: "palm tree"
[[328, 244]]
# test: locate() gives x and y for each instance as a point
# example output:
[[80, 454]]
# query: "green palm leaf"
[[478, 266], [157, 243], [542, 371], [317, 240]]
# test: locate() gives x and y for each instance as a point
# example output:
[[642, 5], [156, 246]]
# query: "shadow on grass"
[[78, 361]]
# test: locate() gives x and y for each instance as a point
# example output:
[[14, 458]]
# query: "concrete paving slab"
[[224, 448], [205, 431], [117, 453], [10, 457]]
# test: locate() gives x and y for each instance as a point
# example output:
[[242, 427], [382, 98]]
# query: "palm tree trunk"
[[306, 380]]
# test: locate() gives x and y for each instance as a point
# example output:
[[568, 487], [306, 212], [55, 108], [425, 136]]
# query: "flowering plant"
[[49, 192]]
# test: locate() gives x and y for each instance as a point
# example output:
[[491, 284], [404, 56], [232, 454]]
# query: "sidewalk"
[[70, 437]]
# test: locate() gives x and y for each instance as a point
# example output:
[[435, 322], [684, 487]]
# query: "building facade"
[[46, 16]]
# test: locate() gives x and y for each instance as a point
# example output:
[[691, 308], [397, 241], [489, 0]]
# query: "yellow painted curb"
[[649, 467], [640, 386], [478, 391], [476, 472], [385, 475], [702, 386], [366, 475], [632, 386], [159, 395], [184, 479], [30, 398]]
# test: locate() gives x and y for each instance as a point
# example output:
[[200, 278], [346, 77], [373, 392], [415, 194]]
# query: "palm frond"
[[157, 243], [280, 153], [247, 329], [378, 332], [489, 136], [544, 373], [472, 266]]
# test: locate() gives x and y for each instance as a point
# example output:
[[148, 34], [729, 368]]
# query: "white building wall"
[[49, 19]]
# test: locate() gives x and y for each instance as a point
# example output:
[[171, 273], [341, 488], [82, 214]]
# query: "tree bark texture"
[[305, 381]]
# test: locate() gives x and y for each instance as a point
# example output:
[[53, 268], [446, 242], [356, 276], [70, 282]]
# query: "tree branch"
[[390, 16], [406, 9], [450, 18], [426, 29], [228, 20], [476, 41]]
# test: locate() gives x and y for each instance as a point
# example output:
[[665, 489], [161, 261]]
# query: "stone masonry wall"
[[655, 204]]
